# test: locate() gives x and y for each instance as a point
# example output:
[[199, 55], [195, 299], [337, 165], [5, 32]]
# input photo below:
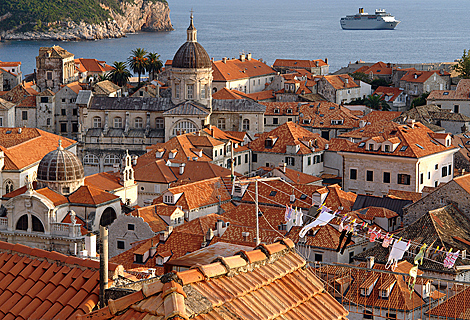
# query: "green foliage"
[[138, 61], [36, 14], [360, 76], [120, 74], [420, 101], [357, 102], [376, 102], [463, 67], [379, 82], [154, 64]]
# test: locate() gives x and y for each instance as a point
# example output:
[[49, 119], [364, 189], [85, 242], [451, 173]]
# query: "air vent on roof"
[[403, 148], [303, 197], [322, 115], [419, 146], [361, 130], [446, 93], [332, 108], [272, 193], [8, 131], [362, 144]]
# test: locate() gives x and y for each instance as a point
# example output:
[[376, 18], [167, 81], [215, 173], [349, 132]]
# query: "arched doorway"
[[108, 216]]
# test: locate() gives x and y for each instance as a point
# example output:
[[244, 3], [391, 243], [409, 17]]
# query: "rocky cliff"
[[136, 16]]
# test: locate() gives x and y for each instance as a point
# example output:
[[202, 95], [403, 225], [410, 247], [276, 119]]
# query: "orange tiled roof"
[[462, 92], [420, 76], [261, 95], [337, 144], [28, 147], [406, 195], [390, 92], [199, 194], [261, 287], [226, 94], [376, 68], [370, 213], [216, 133], [74, 86], [18, 93], [280, 108], [151, 215], [321, 237], [292, 175], [325, 115], [339, 81], [38, 284], [371, 130], [91, 195], [456, 307], [108, 181], [55, 197], [415, 142], [286, 134], [234, 69], [93, 65], [297, 63], [381, 115]]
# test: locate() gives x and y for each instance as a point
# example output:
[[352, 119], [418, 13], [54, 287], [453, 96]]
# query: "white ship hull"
[[363, 21]]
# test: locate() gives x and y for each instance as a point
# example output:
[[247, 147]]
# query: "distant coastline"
[[140, 15]]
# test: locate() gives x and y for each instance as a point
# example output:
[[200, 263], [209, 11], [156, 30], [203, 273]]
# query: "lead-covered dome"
[[60, 170], [191, 54]]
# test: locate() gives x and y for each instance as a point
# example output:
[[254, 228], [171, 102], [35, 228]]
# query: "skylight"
[[403, 148], [435, 142], [303, 197], [361, 130], [466, 136], [461, 146], [332, 108], [272, 193], [362, 144], [419, 146], [446, 93]]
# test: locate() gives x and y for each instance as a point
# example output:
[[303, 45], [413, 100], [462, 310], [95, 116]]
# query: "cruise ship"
[[364, 21]]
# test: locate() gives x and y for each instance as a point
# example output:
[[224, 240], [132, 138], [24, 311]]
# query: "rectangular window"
[[290, 161], [254, 157], [436, 167], [386, 177], [351, 255], [368, 314], [63, 112], [121, 245], [456, 108], [391, 316], [190, 88], [449, 170], [309, 161], [24, 115], [318, 257], [387, 148], [74, 126], [429, 175], [371, 147], [421, 178], [239, 160], [404, 179], [444, 171], [48, 121], [44, 99], [49, 75], [246, 157], [131, 226], [74, 112], [63, 127], [139, 258], [275, 121], [369, 175], [177, 91], [353, 174], [1, 122], [203, 92]]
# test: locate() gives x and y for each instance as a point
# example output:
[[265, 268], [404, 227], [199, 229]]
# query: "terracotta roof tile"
[[419, 76], [377, 68], [282, 108], [381, 115], [234, 69], [406, 195], [391, 92], [269, 290], [226, 94], [339, 81], [325, 114], [297, 63], [91, 195]]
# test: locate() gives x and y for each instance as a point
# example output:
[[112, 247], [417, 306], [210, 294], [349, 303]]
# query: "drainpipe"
[[103, 265]]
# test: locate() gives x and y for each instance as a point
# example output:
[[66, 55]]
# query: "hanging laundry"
[[348, 239], [300, 218], [450, 259], [374, 235], [289, 213], [286, 214], [387, 241], [413, 275], [420, 256], [322, 220], [398, 250]]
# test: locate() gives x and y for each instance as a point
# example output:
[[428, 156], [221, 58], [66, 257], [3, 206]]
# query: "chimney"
[[152, 272], [362, 123], [103, 265], [182, 168], [90, 244], [19, 130], [370, 262], [283, 167], [411, 123], [246, 236], [242, 57], [248, 56], [134, 160], [210, 234], [224, 59], [416, 76]]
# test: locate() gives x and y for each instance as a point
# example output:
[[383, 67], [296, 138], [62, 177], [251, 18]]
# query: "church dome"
[[60, 170], [191, 54]]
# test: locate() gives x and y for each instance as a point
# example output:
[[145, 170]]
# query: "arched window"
[[37, 224], [184, 126], [8, 186], [22, 223], [96, 122], [107, 217], [117, 122], [91, 159], [246, 124], [159, 123], [138, 123], [221, 123], [111, 159]]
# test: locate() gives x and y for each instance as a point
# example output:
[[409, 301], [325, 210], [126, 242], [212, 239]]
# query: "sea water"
[[430, 31]]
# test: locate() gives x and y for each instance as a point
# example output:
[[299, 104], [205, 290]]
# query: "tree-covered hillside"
[[36, 14]]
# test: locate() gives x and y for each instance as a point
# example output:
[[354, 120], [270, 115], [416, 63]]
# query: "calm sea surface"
[[430, 31]]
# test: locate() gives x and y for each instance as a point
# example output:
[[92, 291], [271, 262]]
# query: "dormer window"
[[306, 121], [276, 110], [269, 142], [138, 258], [336, 122], [172, 154], [371, 147], [168, 199], [159, 153], [387, 148], [289, 111]]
